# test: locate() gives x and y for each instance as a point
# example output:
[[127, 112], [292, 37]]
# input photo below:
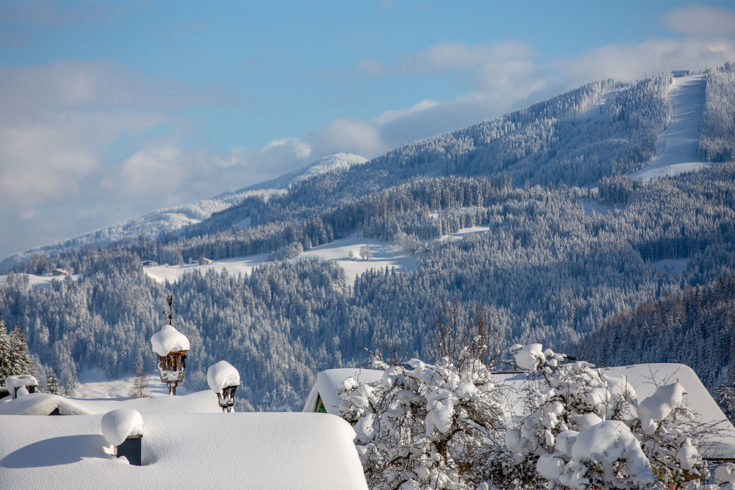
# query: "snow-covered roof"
[[644, 378], [221, 375], [13, 382], [238, 450], [328, 383], [44, 404], [167, 340]]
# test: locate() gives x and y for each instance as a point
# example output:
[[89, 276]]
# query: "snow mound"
[[20, 381], [221, 375], [119, 424], [167, 340], [725, 473], [42, 404], [658, 406]]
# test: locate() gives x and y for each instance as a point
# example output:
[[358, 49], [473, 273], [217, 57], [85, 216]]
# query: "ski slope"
[[677, 146]]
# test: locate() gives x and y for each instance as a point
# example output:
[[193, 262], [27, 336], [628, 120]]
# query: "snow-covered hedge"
[[439, 426]]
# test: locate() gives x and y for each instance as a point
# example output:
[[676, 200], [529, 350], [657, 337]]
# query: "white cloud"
[[630, 62], [701, 22]]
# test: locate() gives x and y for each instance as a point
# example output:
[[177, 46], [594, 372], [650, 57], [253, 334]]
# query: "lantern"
[[224, 379], [171, 347]]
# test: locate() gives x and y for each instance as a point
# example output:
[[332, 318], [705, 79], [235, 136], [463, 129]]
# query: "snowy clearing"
[[677, 146], [345, 252], [464, 232], [94, 384], [41, 281], [671, 266]]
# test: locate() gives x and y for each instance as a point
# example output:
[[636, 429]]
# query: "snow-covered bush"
[[565, 399], [425, 425], [586, 428]]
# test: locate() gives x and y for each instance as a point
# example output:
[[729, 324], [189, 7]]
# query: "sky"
[[110, 110]]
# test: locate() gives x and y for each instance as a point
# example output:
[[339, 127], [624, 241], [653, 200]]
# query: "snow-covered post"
[[224, 379], [123, 428]]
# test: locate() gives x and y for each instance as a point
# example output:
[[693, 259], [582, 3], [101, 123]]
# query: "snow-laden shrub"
[[425, 425], [565, 399], [670, 434], [571, 405]]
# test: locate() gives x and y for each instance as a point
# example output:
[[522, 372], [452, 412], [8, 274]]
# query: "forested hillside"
[[571, 243], [701, 318]]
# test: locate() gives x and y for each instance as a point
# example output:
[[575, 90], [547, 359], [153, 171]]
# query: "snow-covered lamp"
[[224, 379], [171, 347]]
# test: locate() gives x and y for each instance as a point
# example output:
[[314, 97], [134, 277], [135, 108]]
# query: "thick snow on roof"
[[13, 382], [328, 383], [167, 340], [121, 423], [221, 375], [238, 450], [44, 404]]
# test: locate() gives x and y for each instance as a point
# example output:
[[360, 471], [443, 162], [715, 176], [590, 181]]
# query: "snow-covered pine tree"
[[52, 384], [726, 399], [20, 358], [4, 353], [140, 384]]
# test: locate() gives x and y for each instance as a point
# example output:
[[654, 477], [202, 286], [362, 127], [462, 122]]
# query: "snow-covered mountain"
[[167, 220], [562, 240]]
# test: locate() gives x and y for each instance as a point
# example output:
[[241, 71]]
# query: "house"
[[679, 73], [205, 261], [643, 378], [324, 396], [179, 448]]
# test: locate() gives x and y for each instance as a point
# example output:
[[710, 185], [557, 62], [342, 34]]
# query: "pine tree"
[[52, 384], [4, 353], [140, 384], [20, 358]]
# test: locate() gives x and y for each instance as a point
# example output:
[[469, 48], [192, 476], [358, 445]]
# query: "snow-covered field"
[[40, 281], [345, 252], [94, 384], [464, 232], [677, 146]]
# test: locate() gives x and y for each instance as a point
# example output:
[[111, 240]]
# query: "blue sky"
[[109, 110]]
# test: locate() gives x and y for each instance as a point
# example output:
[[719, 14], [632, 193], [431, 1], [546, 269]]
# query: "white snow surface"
[[20, 381], [236, 450], [93, 383], [44, 404], [345, 252], [121, 423], [677, 147], [167, 340], [222, 374], [40, 281]]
